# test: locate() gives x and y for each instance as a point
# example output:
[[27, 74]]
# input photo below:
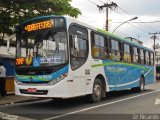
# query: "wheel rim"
[[97, 90]]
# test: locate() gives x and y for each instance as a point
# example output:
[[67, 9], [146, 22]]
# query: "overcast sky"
[[145, 10]]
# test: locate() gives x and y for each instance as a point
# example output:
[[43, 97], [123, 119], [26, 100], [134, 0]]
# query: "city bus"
[[59, 57]]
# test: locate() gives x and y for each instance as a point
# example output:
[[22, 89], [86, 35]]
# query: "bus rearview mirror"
[[8, 45], [76, 42]]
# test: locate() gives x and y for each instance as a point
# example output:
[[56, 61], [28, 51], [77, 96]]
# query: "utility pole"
[[154, 37], [111, 6]]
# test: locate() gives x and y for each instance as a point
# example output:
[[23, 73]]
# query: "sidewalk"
[[12, 99]]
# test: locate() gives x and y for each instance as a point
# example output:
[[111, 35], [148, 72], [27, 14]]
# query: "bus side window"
[[98, 46], [115, 50], [127, 53], [135, 55]]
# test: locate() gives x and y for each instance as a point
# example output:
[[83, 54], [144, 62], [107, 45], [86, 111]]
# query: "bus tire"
[[141, 85], [97, 91]]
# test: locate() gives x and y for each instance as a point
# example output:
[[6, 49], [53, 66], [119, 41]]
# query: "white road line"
[[105, 104]]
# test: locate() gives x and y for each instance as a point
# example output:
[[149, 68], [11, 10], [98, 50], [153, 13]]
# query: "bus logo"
[[36, 62], [31, 79]]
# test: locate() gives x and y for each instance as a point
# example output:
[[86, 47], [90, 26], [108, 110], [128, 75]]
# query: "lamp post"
[[134, 18]]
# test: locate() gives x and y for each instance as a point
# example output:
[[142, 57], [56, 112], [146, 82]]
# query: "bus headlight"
[[58, 79]]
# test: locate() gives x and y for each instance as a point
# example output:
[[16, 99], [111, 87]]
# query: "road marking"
[[157, 102], [105, 104]]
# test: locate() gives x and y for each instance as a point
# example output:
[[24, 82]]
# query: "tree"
[[13, 12]]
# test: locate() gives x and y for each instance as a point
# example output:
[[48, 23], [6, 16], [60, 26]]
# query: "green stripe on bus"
[[119, 63], [24, 76]]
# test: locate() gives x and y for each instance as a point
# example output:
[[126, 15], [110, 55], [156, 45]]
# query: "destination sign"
[[38, 26]]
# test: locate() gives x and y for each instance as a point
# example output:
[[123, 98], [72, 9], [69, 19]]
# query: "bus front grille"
[[33, 82], [38, 92]]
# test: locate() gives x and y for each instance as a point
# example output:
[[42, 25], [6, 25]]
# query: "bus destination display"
[[40, 25]]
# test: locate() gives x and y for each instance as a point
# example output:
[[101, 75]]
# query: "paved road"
[[121, 105]]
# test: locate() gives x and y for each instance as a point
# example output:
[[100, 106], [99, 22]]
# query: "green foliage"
[[13, 12]]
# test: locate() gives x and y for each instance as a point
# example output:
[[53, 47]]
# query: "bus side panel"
[[98, 69], [150, 77], [125, 75]]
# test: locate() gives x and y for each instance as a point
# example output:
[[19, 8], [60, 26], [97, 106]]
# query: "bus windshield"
[[42, 48]]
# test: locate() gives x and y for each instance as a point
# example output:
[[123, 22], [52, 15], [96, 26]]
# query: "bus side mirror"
[[75, 39], [74, 44], [8, 45]]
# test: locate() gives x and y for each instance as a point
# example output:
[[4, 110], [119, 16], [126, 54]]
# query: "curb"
[[29, 100], [21, 101]]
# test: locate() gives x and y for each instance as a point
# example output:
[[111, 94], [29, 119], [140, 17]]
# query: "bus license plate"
[[32, 90]]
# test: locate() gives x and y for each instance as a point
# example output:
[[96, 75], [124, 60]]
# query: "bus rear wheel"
[[97, 91], [141, 86]]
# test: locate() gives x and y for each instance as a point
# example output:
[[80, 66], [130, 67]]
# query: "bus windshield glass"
[[42, 48]]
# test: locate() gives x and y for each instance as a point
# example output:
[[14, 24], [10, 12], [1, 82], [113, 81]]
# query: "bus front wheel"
[[97, 91]]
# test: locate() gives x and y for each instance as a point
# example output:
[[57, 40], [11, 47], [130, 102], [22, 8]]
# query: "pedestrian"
[[2, 79]]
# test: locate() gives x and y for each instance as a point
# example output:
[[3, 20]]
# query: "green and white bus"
[[60, 57]]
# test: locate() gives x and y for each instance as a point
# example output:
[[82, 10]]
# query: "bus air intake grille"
[[34, 82], [38, 92]]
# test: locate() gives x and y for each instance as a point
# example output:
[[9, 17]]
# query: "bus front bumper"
[[59, 90]]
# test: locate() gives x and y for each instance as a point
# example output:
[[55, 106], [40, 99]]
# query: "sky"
[[147, 11]]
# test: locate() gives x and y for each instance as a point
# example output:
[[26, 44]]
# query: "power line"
[[138, 27], [140, 22], [130, 22], [105, 5], [87, 19], [101, 2], [92, 3], [101, 7], [144, 24], [119, 12], [120, 33]]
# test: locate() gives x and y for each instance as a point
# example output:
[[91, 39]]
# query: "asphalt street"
[[121, 105]]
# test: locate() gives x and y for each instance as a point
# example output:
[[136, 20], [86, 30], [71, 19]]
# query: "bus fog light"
[[52, 82], [58, 79], [18, 82]]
